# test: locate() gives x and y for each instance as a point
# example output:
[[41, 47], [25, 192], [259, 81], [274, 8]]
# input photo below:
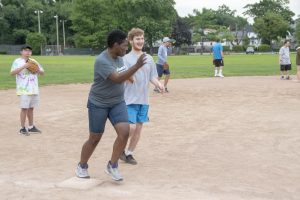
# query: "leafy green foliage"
[[36, 40], [270, 26], [263, 7], [264, 48]]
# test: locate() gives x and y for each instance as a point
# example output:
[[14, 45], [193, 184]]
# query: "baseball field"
[[232, 138]]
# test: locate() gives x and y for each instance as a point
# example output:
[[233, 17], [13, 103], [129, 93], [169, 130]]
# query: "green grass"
[[79, 69]]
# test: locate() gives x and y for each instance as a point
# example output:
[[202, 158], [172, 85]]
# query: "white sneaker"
[[221, 75], [216, 75], [113, 172], [82, 172]]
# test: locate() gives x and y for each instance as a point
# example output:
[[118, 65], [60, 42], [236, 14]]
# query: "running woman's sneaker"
[[113, 172], [82, 172]]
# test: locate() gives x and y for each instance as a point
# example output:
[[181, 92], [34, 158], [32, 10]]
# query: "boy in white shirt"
[[285, 61], [136, 91], [27, 89]]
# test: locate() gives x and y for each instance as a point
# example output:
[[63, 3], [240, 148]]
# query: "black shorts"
[[161, 70], [285, 67], [218, 62]]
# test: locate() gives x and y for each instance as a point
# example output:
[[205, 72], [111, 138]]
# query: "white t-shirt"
[[137, 92], [27, 83], [284, 54]]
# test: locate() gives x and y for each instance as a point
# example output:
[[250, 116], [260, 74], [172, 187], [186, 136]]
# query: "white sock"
[[220, 72], [30, 127], [216, 72], [127, 152]]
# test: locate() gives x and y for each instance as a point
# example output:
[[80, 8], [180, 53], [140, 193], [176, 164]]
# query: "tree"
[[36, 40], [265, 6], [181, 32], [155, 17], [297, 30], [270, 26], [20, 36]]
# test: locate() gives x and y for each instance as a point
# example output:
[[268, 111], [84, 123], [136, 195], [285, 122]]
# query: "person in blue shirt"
[[218, 56]]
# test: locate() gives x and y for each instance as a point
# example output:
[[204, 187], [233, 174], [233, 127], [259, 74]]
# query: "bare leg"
[[89, 147], [122, 130], [298, 72], [156, 89], [23, 115], [135, 136], [30, 116], [166, 80]]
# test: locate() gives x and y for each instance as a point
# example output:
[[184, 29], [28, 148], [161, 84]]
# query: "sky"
[[185, 7]]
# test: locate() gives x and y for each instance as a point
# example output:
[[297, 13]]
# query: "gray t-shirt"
[[284, 54], [137, 92], [104, 92], [162, 55]]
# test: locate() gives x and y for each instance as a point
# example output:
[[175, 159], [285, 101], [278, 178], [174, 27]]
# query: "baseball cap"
[[166, 39], [26, 47]]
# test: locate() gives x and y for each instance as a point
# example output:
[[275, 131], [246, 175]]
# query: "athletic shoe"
[[34, 130], [113, 172], [166, 90], [156, 90], [282, 78], [23, 131], [221, 75], [82, 172], [288, 78], [130, 159]]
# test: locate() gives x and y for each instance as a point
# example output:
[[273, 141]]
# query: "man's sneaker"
[[130, 159], [82, 172], [282, 77], [23, 131], [34, 130], [288, 78], [156, 90], [113, 172], [166, 90], [221, 75]]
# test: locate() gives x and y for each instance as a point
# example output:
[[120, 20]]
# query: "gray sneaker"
[[34, 130], [128, 159], [23, 131], [82, 172], [113, 172]]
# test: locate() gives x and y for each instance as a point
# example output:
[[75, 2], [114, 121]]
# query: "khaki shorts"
[[29, 101]]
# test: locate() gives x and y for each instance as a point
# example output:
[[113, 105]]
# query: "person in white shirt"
[[136, 91], [27, 89], [285, 61]]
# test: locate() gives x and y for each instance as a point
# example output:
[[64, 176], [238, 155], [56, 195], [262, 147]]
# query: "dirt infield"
[[212, 139]]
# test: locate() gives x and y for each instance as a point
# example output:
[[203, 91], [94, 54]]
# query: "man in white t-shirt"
[[27, 89], [136, 91], [285, 61]]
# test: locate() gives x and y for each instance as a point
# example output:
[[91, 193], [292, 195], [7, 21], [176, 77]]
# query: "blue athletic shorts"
[[137, 113], [98, 116]]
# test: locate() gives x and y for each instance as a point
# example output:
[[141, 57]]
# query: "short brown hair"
[[135, 32]]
